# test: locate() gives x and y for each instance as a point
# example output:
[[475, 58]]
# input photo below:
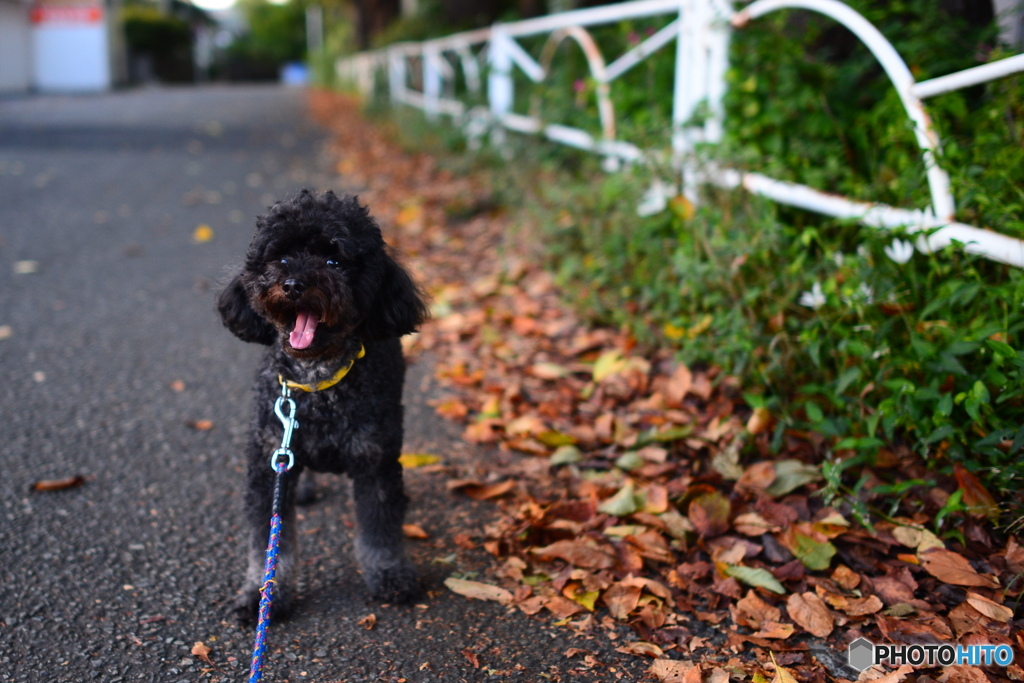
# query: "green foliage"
[[147, 29], [277, 32], [434, 19]]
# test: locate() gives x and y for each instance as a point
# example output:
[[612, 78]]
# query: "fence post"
[[396, 75], [500, 91], [363, 74], [691, 62], [719, 34], [431, 80], [702, 59]]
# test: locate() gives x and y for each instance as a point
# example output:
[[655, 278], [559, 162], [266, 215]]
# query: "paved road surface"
[[110, 348]]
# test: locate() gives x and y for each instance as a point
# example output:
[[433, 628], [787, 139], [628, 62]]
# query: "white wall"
[[15, 47], [70, 50]]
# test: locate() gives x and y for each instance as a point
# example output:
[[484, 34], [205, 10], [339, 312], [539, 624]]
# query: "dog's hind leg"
[[380, 503], [259, 504]]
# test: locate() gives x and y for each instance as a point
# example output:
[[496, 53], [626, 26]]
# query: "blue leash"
[[282, 460]]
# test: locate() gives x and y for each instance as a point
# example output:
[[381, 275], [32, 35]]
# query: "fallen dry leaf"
[[760, 420], [561, 607], [201, 425], [753, 524], [452, 409], [478, 591], [976, 497], [897, 676], [917, 538], [414, 531], [368, 622], [758, 476], [478, 491], [951, 567], [579, 553], [846, 577], [751, 611], [549, 371], [774, 630], [810, 614], [414, 460], [675, 671], [710, 514], [641, 649], [621, 599], [202, 651], [679, 385], [992, 610], [856, 607], [483, 431], [58, 484], [203, 233], [782, 674], [963, 673]]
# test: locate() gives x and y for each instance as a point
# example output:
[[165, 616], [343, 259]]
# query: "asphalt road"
[[111, 353]]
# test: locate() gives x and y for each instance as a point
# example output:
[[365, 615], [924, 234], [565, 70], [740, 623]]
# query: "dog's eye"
[[332, 263], [284, 262]]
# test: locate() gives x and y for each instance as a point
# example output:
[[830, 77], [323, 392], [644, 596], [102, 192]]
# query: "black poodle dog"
[[321, 290]]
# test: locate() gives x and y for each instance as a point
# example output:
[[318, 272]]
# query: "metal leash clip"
[[290, 425]]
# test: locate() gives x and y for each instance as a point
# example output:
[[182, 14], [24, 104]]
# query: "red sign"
[[66, 14]]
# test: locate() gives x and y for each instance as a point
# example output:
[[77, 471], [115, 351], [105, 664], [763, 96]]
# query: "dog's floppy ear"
[[239, 317], [398, 308]]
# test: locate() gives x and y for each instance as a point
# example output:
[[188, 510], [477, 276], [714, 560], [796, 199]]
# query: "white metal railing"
[[424, 75]]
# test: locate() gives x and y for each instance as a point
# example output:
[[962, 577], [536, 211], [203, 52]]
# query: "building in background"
[[57, 46], [80, 45], [15, 46], [71, 45]]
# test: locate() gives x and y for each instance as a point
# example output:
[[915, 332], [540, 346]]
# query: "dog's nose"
[[293, 288]]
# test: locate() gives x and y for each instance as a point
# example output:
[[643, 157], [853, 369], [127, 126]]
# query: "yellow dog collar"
[[327, 383]]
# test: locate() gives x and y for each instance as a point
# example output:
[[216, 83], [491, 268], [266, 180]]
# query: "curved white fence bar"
[[701, 29], [897, 71], [595, 62]]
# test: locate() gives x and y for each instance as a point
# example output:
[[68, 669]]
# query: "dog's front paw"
[[398, 583], [247, 605]]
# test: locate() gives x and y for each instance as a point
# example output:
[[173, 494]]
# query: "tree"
[[277, 33]]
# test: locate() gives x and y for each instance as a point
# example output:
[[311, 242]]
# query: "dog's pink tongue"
[[302, 336]]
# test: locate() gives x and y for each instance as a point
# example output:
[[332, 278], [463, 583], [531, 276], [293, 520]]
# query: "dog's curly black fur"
[[318, 283]]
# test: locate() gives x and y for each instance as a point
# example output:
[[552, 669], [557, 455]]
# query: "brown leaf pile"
[[640, 498]]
